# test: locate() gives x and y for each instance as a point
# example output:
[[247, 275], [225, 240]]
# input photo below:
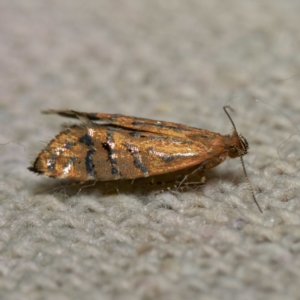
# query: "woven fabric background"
[[178, 61]]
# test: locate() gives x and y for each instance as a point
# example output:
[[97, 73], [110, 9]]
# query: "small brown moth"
[[129, 147]]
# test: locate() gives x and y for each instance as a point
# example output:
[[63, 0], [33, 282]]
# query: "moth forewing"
[[130, 148], [133, 123]]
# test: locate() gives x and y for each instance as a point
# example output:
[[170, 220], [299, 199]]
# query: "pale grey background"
[[172, 60]]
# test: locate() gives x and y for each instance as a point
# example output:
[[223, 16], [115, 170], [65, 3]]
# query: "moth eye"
[[233, 152]]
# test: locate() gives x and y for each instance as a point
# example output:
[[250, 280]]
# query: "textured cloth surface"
[[178, 61]]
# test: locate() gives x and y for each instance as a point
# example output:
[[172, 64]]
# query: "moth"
[[125, 147]]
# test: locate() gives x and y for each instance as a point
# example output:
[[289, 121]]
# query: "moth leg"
[[84, 185], [201, 182], [199, 170], [114, 188], [179, 185], [167, 189], [175, 185], [194, 183]]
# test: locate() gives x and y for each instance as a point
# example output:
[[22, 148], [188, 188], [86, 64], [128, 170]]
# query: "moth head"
[[238, 146]]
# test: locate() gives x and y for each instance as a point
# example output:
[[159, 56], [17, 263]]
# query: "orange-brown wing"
[[139, 124], [103, 153]]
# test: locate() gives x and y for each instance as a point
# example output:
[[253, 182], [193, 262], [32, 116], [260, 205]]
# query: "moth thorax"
[[238, 146]]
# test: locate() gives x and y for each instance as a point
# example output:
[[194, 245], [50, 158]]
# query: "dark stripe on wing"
[[137, 160], [89, 163], [87, 140]]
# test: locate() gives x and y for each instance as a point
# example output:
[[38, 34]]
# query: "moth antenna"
[[228, 115], [250, 185], [246, 175]]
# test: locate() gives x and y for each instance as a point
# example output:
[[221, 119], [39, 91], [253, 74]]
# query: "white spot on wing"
[[163, 154], [91, 131], [67, 168]]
